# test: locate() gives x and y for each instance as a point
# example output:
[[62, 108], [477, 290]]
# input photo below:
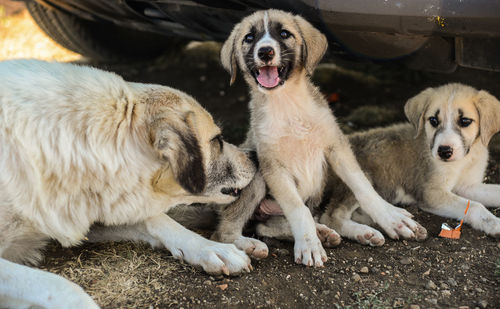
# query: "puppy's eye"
[[219, 141], [464, 122], [285, 34], [433, 121], [249, 38]]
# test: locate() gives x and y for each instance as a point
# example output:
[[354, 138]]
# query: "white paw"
[[216, 258], [366, 235], [397, 223], [309, 251], [253, 247], [328, 237]]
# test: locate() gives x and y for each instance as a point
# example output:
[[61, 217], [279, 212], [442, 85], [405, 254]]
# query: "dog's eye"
[[464, 122], [249, 38], [433, 121], [219, 141], [285, 34]]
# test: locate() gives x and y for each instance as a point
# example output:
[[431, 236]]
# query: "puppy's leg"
[[486, 194], [213, 257], [449, 205], [234, 217], [395, 221], [339, 217], [25, 287], [307, 249], [279, 228]]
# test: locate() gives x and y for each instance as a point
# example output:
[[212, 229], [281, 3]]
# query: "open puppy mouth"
[[231, 191], [270, 77]]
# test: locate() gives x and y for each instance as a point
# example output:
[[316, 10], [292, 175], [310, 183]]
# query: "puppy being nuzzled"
[[437, 161], [295, 136]]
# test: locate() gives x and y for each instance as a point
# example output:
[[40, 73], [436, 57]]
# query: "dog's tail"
[[196, 216]]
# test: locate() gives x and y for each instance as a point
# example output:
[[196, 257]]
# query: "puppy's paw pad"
[[328, 237], [253, 247]]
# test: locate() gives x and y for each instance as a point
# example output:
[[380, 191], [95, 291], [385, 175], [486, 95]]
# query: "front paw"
[[309, 251], [217, 258], [397, 223]]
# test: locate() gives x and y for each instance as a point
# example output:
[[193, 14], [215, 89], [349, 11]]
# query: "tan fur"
[[405, 170], [81, 146], [297, 139]]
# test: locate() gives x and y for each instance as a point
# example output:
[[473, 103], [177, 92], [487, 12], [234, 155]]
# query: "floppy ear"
[[416, 107], [488, 108], [177, 144], [227, 56], [314, 44]]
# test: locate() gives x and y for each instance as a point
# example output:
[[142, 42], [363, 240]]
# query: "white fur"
[[75, 151]]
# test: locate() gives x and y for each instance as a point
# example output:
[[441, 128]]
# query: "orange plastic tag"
[[448, 232]]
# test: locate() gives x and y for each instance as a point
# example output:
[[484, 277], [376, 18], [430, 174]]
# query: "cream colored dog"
[[295, 135], [80, 146]]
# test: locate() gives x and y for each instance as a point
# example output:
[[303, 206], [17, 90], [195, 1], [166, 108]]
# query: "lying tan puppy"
[[438, 161], [81, 146]]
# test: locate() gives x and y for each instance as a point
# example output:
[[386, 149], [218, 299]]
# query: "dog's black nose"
[[445, 152], [266, 53]]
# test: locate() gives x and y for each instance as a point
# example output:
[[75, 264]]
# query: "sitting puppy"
[[295, 135], [80, 146], [437, 161]]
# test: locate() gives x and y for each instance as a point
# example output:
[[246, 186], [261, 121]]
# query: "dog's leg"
[[486, 194], [307, 249], [447, 204], [234, 217], [25, 287], [395, 221], [279, 228], [213, 257], [339, 217]]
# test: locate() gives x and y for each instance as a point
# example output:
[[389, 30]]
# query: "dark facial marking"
[[190, 172], [434, 120]]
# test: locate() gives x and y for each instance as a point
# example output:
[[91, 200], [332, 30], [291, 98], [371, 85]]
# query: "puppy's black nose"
[[445, 152], [266, 53]]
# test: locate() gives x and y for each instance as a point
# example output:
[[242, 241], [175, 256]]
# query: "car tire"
[[100, 41]]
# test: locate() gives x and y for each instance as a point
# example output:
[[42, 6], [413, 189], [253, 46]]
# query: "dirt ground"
[[437, 273]]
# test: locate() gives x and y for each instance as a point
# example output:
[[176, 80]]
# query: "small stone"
[[364, 270], [356, 278], [463, 307], [370, 259], [398, 303], [446, 293], [433, 301], [207, 282], [203, 78], [414, 307], [426, 273], [430, 285], [452, 282], [222, 93], [282, 252], [222, 286], [405, 261], [444, 286], [483, 303], [479, 290]]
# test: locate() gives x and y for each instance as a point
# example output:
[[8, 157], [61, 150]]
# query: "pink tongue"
[[268, 77]]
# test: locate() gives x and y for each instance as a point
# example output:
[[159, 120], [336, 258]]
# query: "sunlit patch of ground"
[[20, 37]]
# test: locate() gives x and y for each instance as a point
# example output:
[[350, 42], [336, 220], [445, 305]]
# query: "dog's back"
[[61, 147]]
